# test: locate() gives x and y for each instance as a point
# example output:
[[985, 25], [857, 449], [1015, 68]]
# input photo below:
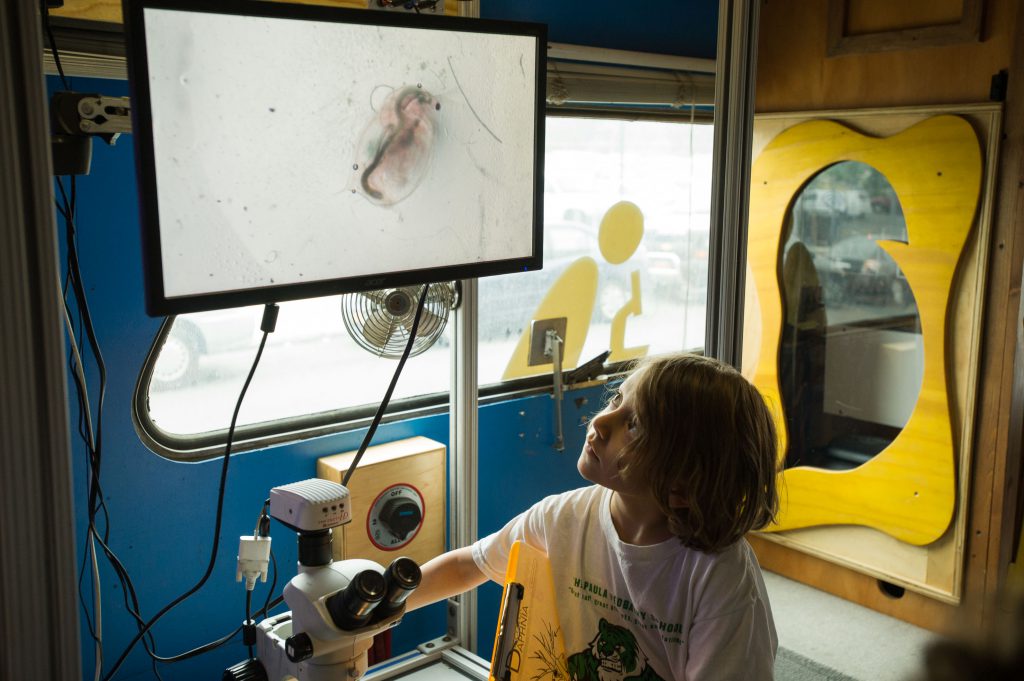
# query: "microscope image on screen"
[[395, 150], [313, 149]]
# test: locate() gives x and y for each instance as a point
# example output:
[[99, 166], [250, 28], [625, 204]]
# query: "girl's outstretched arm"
[[446, 575]]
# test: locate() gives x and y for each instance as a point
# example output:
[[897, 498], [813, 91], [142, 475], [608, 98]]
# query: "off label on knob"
[[395, 517]]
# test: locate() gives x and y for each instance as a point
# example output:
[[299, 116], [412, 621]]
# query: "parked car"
[[688, 238], [507, 303], [193, 336], [859, 270], [851, 203]]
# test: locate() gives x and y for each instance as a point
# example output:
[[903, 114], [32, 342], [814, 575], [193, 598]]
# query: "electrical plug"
[[253, 559]]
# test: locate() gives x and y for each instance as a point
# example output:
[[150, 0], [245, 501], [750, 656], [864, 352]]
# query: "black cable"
[[391, 388], [93, 440], [269, 311], [128, 591], [248, 615], [273, 584], [81, 394], [268, 605], [93, 445], [53, 43], [83, 309]]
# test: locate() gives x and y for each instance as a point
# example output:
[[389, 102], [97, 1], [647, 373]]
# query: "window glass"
[[592, 165], [310, 365], [851, 360]]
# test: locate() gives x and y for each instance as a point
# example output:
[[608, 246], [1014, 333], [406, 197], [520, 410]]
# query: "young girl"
[[684, 461]]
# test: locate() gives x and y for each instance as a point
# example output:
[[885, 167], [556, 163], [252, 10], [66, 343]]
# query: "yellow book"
[[529, 644]]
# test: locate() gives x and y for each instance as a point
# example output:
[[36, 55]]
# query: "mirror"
[[851, 357]]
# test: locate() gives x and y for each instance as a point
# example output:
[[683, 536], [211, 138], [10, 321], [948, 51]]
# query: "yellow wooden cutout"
[[571, 296], [909, 489], [528, 644], [620, 353]]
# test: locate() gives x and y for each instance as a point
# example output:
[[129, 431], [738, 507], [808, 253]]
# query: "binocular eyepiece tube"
[[371, 596]]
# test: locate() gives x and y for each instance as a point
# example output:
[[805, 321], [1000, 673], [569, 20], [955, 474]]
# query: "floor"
[[824, 638]]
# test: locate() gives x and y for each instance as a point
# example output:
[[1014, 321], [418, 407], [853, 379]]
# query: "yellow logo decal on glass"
[[622, 228], [573, 296]]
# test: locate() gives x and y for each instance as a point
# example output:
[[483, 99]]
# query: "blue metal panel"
[[687, 28]]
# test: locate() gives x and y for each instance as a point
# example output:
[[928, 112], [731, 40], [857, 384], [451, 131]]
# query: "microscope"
[[336, 607]]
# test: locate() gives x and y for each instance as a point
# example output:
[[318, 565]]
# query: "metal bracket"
[[437, 645], [547, 340]]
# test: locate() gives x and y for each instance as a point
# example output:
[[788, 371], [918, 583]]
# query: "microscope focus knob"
[[401, 516], [298, 647], [248, 670]]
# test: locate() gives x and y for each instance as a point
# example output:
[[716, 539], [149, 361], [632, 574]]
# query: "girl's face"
[[602, 458]]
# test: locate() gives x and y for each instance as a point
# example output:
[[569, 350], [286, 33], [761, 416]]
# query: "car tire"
[[178, 361]]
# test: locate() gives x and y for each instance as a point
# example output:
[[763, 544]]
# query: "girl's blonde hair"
[[705, 434]]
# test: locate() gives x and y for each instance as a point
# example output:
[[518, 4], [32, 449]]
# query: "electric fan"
[[380, 321]]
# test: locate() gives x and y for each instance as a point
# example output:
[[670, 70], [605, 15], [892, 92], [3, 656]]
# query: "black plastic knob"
[[249, 670], [401, 516], [298, 647]]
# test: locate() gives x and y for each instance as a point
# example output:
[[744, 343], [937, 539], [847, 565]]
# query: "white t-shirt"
[[642, 612]]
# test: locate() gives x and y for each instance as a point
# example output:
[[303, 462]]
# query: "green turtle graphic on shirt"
[[612, 655]]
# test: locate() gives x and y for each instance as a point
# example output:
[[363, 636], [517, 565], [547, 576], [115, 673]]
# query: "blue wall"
[[687, 28]]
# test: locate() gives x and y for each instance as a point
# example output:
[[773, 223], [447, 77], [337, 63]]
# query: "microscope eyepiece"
[[402, 578], [351, 607], [404, 572]]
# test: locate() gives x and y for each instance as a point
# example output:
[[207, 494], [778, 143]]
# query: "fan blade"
[[376, 296], [378, 328], [429, 322]]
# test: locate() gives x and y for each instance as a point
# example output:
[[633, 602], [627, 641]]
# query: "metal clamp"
[[547, 340]]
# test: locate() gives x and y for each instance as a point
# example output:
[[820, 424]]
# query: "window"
[[592, 164], [314, 378], [310, 366]]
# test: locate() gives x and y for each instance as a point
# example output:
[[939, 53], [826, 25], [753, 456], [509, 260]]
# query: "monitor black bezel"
[[157, 303]]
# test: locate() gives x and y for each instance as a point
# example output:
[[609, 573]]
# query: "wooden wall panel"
[[794, 74]]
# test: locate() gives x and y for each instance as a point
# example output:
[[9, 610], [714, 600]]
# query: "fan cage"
[[381, 321]]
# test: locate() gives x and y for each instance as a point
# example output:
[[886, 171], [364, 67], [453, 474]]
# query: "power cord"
[[268, 605], [268, 325], [391, 388], [91, 436]]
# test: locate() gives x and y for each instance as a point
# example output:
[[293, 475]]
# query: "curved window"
[[311, 367]]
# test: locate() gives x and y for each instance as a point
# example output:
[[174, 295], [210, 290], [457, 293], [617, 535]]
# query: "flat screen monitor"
[[290, 151]]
